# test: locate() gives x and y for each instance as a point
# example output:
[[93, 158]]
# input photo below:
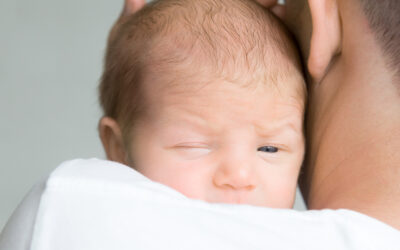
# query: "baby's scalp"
[[235, 40]]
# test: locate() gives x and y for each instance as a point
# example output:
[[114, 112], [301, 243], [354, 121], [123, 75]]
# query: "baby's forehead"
[[223, 105], [203, 89]]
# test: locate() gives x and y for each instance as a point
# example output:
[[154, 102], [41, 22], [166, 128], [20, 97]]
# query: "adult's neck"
[[354, 130]]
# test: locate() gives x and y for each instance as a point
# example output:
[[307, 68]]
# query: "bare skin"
[[214, 139], [354, 109], [353, 113]]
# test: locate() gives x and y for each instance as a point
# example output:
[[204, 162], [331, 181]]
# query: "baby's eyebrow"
[[192, 121], [276, 128]]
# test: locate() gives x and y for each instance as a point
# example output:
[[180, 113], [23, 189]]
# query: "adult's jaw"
[[353, 112]]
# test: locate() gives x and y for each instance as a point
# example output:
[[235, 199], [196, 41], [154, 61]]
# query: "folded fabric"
[[96, 204]]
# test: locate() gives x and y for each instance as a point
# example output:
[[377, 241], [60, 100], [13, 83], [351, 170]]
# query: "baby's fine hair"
[[235, 40]]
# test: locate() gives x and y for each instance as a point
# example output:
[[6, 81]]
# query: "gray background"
[[50, 62]]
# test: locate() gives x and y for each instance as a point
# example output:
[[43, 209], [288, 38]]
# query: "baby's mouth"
[[233, 199]]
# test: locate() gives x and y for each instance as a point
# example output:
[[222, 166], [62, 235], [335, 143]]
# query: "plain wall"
[[50, 63]]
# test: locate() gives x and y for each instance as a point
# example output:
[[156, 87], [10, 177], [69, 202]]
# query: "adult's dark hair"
[[384, 19]]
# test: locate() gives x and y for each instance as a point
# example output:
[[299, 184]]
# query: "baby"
[[208, 98]]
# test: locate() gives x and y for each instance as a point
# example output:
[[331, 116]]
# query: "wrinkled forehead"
[[248, 92], [220, 105]]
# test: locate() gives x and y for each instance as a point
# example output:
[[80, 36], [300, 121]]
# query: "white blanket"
[[95, 205]]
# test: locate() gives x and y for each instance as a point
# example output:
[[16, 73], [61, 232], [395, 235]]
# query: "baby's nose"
[[236, 175]]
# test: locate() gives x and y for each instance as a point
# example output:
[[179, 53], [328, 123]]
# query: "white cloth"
[[95, 205]]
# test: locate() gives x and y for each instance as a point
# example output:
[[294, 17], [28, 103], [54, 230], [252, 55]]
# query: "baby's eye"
[[192, 151], [268, 149]]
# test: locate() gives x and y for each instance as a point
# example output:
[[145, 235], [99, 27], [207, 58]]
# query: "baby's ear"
[[326, 36], [111, 138]]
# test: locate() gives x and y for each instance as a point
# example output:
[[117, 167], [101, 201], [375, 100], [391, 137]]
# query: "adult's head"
[[352, 52]]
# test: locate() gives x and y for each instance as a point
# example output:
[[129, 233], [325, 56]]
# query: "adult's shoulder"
[[96, 204]]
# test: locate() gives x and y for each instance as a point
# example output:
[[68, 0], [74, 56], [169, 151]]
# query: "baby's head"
[[208, 98]]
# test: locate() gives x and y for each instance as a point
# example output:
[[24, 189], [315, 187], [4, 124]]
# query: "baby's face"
[[221, 142]]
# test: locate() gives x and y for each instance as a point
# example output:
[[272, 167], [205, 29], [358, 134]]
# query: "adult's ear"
[[326, 36], [111, 138], [274, 6]]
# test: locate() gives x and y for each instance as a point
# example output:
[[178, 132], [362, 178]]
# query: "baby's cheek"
[[281, 190], [190, 178], [283, 198], [193, 184], [192, 188]]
